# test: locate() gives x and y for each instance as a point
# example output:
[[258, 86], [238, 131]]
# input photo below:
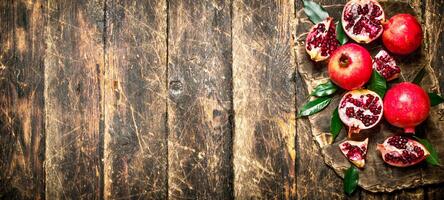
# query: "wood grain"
[[199, 106], [73, 69], [21, 99], [264, 100], [135, 154]]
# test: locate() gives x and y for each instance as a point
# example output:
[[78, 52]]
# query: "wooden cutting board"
[[376, 176]]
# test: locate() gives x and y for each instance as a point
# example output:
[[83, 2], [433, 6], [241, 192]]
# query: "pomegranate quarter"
[[402, 34], [350, 66], [400, 151], [321, 40], [355, 151], [360, 109], [406, 105]]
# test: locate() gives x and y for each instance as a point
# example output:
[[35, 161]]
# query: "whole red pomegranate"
[[406, 105], [350, 66], [402, 34], [400, 151]]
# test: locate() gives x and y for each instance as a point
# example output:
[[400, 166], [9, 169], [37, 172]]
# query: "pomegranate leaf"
[[351, 180], [340, 34], [433, 158], [324, 89], [419, 76], [314, 11], [377, 84], [335, 124], [435, 99], [314, 106]]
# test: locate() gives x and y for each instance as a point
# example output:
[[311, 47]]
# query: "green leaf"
[[335, 124], [351, 180], [340, 34], [378, 84], [419, 76], [433, 158], [435, 99], [324, 89], [314, 106], [314, 11]]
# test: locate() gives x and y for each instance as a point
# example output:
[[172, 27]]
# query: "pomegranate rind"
[[386, 148], [387, 62], [355, 125], [358, 161], [359, 37], [316, 52], [406, 105], [402, 34], [356, 73]]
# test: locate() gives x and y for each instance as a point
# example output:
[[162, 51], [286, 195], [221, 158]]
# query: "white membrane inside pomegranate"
[[400, 151], [360, 109], [386, 66], [362, 20], [321, 40], [355, 151]]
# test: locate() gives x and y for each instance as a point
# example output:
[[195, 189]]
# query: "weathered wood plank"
[[73, 67], [135, 155], [416, 193], [21, 99], [199, 108], [264, 100]]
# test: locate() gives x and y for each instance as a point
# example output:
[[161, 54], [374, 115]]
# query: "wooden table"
[[163, 99]]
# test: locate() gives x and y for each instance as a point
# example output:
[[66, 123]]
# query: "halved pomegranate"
[[406, 105], [355, 151], [321, 40], [400, 151], [386, 66], [360, 109], [362, 20]]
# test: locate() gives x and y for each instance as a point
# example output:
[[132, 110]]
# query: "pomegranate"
[[406, 105], [402, 34], [386, 66], [360, 109], [355, 151], [401, 151], [362, 20], [321, 40], [350, 66]]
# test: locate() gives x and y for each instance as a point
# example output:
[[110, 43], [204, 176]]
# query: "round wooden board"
[[376, 176]]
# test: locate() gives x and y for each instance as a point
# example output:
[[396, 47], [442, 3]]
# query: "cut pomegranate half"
[[362, 20], [400, 151], [360, 109], [355, 151]]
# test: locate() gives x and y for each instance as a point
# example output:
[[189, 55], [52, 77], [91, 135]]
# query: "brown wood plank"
[[264, 100], [73, 67], [21, 99], [135, 154], [199, 108]]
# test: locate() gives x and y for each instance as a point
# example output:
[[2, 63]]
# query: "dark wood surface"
[[115, 99]]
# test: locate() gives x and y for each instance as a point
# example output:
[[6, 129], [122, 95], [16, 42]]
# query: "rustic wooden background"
[[117, 99]]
